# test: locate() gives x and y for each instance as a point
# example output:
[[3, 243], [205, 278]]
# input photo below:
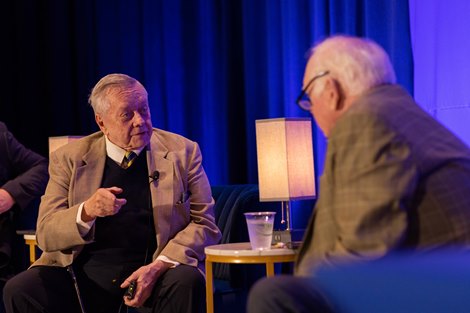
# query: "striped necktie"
[[128, 159]]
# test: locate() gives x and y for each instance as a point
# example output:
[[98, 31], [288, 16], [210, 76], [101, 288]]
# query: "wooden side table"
[[241, 253], [30, 240], [29, 237]]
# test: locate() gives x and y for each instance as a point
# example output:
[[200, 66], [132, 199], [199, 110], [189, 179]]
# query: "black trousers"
[[287, 294], [51, 289]]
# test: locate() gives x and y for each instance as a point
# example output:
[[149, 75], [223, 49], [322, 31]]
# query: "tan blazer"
[[394, 179], [182, 229]]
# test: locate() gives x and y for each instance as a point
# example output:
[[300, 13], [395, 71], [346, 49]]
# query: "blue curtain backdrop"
[[211, 67]]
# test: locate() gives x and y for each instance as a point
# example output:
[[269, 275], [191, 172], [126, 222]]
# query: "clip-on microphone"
[[154, 176]]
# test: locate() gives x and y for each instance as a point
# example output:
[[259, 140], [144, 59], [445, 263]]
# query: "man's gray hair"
[[357, 63], [109, 84]]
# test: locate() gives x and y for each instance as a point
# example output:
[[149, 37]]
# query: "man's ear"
[[337, 95], [99, 121], [334, 94]]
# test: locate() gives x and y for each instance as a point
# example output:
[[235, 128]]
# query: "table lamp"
[[285, 167]]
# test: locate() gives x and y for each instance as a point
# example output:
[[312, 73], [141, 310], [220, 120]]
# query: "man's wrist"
[[85, 217], [167, 260], [83, 227]]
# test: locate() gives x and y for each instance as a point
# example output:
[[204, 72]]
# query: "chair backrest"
[[56, 142]]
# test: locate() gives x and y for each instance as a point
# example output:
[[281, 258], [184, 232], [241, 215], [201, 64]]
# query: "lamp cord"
[[283, 221]]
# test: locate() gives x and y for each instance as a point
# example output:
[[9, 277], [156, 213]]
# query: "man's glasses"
[[302, 100]]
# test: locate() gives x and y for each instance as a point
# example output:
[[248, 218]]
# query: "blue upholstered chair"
[[437, 282]]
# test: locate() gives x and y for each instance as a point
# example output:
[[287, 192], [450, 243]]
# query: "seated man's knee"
[[13, 287], [182, 282], [190, 276], [287, 294], [262, 295], [183, 279]]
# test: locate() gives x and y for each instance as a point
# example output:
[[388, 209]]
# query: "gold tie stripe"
[[128, 159]]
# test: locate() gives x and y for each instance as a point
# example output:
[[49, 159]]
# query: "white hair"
[[107, 85], [357, 63]]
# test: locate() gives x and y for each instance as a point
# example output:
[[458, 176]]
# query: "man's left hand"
[[146, 277]]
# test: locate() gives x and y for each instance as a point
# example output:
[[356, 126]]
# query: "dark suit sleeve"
[[24, 171]]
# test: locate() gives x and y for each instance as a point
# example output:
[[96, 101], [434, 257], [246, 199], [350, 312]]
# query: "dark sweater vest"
[[125, 241]]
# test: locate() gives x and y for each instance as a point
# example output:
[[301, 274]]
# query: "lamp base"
[[291, 237]]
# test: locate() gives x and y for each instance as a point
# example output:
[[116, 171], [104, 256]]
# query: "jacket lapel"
[[161, 190]]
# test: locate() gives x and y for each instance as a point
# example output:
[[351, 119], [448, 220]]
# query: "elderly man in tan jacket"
[[129, 204]]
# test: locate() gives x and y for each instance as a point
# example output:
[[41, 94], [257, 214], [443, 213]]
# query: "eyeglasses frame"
[[298, 101]]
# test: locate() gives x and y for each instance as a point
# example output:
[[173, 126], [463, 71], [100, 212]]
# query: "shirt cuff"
[[83, 227], [168, 260]]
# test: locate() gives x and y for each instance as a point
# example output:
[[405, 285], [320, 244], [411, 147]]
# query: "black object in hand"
[[130, 292]]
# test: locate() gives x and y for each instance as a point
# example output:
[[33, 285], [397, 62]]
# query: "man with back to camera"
[[104, 215], [394, 178], [23, 178]]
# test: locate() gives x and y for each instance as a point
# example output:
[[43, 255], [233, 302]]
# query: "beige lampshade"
[[285, 159], [58, 141]]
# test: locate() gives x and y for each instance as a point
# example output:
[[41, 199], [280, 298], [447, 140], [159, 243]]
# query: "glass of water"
[[260, 229]]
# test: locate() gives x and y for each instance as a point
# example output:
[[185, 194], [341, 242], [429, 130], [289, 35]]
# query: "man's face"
[[127, 121]]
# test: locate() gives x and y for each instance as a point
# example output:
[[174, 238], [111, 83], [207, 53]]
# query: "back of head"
[[106, 85], [357, 63]]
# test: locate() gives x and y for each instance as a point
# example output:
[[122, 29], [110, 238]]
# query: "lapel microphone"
[[154, 176]]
